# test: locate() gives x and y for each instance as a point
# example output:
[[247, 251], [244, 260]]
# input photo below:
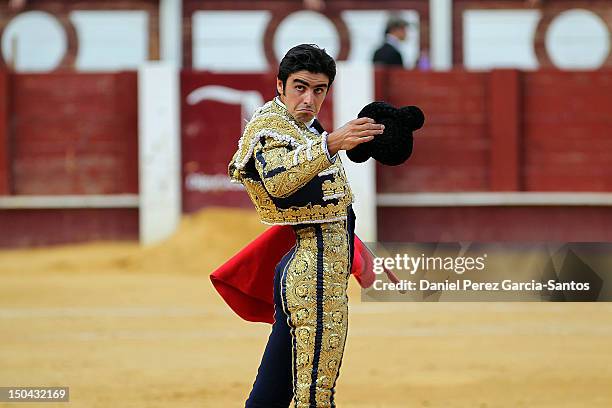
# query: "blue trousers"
[[304, 352], [273, 386]]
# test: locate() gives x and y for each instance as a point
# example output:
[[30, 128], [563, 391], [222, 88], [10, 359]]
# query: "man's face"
[[304, 94], [400, 33]]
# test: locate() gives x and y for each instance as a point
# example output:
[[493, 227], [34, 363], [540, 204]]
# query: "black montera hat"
[[394, 145]]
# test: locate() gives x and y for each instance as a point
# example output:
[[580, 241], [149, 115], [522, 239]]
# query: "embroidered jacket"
[[287, 171]]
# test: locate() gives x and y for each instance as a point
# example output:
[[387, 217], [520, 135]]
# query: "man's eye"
[[319, 91], [299, 88]]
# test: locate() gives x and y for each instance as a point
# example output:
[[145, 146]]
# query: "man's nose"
[[308, 97]]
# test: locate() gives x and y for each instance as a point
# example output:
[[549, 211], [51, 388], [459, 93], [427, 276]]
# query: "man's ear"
[[279, 86]]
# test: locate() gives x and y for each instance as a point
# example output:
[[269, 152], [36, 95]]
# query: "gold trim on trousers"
[[314, 284]]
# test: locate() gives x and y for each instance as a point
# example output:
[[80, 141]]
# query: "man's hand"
[[355, 132]]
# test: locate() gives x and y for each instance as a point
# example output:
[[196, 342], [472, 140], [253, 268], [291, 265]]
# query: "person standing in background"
[[389, 52]]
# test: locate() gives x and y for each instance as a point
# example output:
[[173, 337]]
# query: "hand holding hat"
[[394, 145]]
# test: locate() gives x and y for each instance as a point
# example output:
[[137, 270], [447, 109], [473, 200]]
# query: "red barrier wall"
[[211, 128], [5, 172], [495, 224], [451, 151], [40, 227], [74, 133], [567, 121], [485, 131], [502, 131], [68, 133]]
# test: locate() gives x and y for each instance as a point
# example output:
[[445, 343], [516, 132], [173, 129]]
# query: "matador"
[[292, 172]]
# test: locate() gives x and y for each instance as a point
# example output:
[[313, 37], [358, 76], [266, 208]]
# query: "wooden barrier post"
[[159, 151], [505, 130], [5, 167], [349, 99]]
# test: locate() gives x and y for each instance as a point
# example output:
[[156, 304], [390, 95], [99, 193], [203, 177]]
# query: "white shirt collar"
[[308, 124], [277, 100]]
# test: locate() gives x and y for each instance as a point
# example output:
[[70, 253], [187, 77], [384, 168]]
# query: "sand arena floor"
[[124, 326]]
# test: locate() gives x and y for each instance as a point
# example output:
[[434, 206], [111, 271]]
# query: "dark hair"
[[395, 22], [306, 57]]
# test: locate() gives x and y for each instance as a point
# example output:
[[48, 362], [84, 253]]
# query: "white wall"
[[108, 40], [111, 40], [233, 41], [576, 39], [229, 41]]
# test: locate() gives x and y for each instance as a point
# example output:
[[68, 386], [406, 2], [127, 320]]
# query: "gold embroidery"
[[301, 302], [270, 214], [294, 176], [273, 121], [333, 188], [293, 156]]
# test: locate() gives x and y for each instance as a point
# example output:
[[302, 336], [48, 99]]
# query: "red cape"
[[246, 281]]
